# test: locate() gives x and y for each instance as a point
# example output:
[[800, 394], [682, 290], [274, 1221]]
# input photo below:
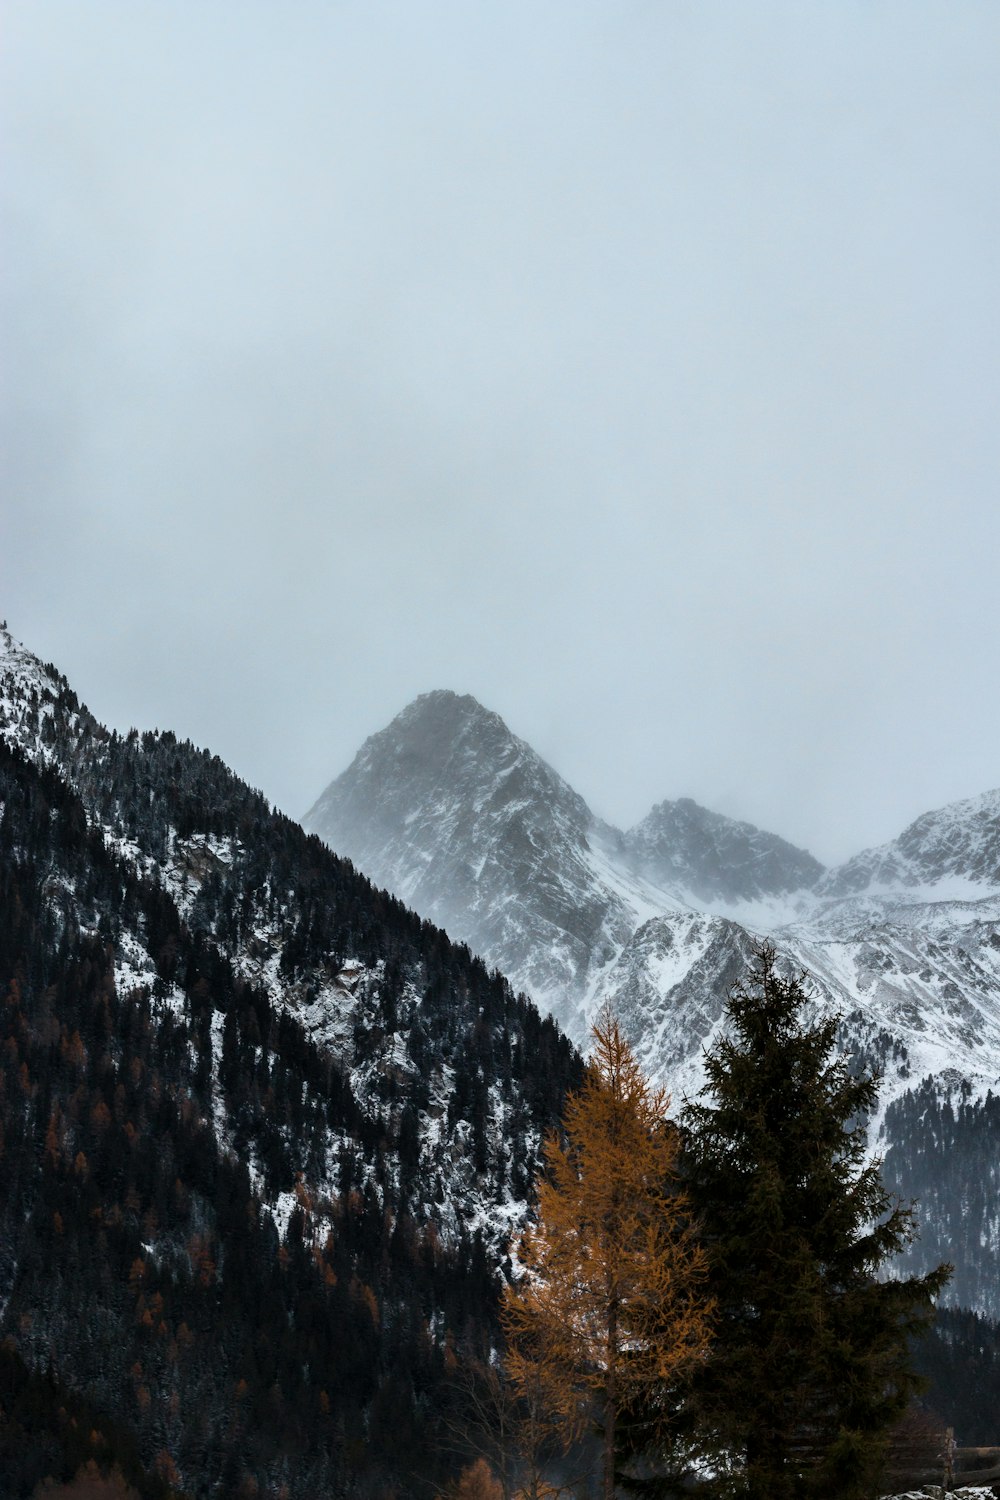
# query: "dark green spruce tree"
[[811, 1366]]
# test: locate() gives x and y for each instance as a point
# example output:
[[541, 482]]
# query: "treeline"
[[960, 1360], [48, 1432], [721, 1297], [304, 1356], [946, 1153]]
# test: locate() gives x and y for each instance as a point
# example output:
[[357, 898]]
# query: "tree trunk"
[[611, 1402]]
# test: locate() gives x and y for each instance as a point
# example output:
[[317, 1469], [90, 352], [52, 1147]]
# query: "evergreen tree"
[[810, 1366], [611, 1304]]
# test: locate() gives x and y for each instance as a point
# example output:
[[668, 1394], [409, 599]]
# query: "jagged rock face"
[[668, 987], [458, 817], [957, 843], [714, 857]]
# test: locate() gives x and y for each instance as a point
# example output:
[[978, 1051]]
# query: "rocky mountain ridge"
[[455, 814], [902, 942], [716, 858], [448, 809], [954, 849]]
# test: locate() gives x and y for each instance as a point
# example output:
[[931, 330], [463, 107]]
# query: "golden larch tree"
[[610, 1305]]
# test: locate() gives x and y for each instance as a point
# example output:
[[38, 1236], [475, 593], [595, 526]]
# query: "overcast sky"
[[630, 365]]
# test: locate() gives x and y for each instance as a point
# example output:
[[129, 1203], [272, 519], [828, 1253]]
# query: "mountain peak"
[[442, 744], [16, 661], [716, 857], [957, 844], [33, 695], [442, 699], [437, 719], [443, 703], [456, 815]]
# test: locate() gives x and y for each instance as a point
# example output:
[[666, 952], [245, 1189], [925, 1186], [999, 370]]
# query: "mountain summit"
[[458, 817], [455, 814], [716, 857], [449, 777]]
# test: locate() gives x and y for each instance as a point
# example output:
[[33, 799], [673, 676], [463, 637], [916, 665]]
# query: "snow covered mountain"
[[458, 817], [450, 810], [714, 857], [953, 851], [462, 819]]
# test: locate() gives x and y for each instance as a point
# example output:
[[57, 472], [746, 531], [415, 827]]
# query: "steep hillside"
[[265, 1131]]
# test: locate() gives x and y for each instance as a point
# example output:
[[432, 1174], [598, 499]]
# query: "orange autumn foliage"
[[476, 1482], [611, 1304]]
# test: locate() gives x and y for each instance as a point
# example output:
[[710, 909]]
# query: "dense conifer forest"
[[313, 1355], [945, 1153]]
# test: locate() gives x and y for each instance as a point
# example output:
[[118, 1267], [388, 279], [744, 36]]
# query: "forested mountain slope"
[[264, 1130]]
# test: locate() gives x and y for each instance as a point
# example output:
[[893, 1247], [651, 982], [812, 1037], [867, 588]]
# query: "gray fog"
[[631, 366]]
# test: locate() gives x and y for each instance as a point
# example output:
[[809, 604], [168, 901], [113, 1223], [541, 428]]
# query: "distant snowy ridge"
[[954, 850], [902, 943], [714, 857]]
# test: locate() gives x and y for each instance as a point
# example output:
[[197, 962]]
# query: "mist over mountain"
[[714, 857], [455, 814], [450, 810]]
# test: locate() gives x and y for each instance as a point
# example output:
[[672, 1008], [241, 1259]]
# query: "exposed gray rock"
[[959, 843], [713, 857]]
